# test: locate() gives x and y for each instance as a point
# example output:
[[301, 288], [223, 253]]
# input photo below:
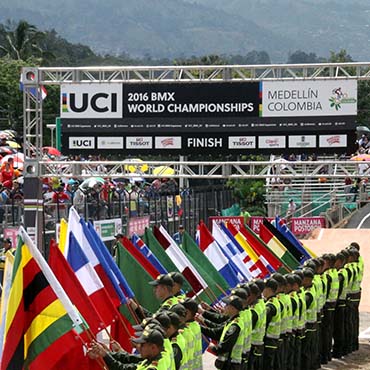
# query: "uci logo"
[[81, 142], [91, 101]]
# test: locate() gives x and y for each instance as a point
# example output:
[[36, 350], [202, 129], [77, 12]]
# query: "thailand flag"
[[180, 260], [231, 252], [147, 253], [211, 249], [249, 263]]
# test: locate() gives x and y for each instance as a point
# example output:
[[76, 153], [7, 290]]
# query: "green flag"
[[154, 245], [202, 264], [137, 278]]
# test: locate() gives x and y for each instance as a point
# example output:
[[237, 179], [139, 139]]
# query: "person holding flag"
[[178, 282], [162, 286]]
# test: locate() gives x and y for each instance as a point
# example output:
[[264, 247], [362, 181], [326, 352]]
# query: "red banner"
[[304, 225], [235, 220], [298, 226]]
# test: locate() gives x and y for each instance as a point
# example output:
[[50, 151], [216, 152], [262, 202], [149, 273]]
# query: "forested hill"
[[317, 25], [160, 28], [182, 28]]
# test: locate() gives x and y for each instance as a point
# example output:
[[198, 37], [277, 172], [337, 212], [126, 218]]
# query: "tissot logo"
[[242, 142], [91, 101], [81, 142], [139, 142]]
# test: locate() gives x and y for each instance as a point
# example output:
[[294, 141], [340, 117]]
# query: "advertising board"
[[187, 117], [309, 98]]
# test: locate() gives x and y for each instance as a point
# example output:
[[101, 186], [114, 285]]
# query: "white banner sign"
[[332, 141], [110, 142], [302, 141], [242, 142], [309, 98], [168, 142], [271, 142], [81, 142], [139, 142], [91, 101]]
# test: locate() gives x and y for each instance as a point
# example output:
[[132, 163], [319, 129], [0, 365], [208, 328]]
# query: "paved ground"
[[333, 240]]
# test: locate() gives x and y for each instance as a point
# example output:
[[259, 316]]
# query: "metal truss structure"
[[206, 170], [84, 75], [52, 76]]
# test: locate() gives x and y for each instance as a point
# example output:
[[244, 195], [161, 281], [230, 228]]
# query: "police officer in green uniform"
[[258, 310], [175, 334], [339, 316], [356, 294], [229, 336], [285, 311], [163, 291], [309, 347], [178, 282], [273, 325], [195, 360], [150, 346], [332, 287]]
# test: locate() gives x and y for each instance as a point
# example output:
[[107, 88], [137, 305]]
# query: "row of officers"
[[294, 321]]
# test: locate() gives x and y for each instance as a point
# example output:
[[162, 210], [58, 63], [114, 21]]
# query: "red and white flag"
[[180, 260]]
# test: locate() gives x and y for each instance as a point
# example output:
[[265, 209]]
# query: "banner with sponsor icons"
[[227, 116]]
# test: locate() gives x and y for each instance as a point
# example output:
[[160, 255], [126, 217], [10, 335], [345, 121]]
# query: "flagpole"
[[91, 337]]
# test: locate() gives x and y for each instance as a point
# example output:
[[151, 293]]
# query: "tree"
[[300, 57], [21, 41]]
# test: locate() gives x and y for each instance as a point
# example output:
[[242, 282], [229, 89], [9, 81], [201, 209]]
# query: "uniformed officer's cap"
[[164, 279], [308, 273], [179, 309], [150, 336], [272, 284], [154, 324], [175, 319], [177, 277], [240, 292], [260, 283], [234, 301], [190, 304], [160, 318]]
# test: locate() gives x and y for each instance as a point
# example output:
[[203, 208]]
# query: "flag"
[[33, 91], [6, 285], [81, 300], [284, 229], [298, 255], [90, 281], [73, 288], [231, 252], [274, 244], [77, 226], [149, 268], [241, 244], [212, 251], [138, 278], [111, 265], [163, 258], [216, 284], [147, 253], [180, 260], [275, 264], [40, 320], [254, 256]]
